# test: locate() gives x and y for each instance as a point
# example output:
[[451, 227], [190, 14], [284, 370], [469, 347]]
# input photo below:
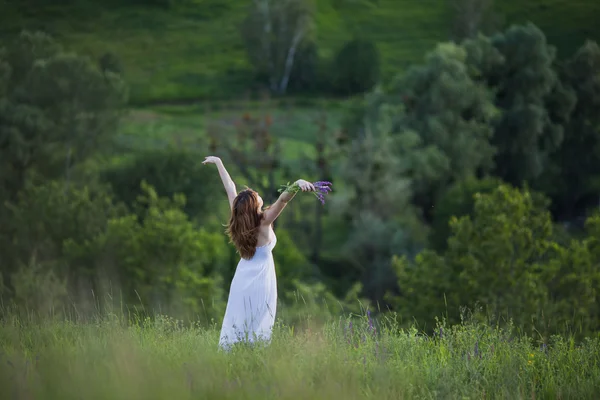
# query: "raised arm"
[[225, 178], [271, 213]]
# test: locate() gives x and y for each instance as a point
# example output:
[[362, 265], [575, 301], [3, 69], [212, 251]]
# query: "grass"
[[195, 50], [163, 358]]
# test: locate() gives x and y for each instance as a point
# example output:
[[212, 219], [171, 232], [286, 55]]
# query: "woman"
[[252, 302]]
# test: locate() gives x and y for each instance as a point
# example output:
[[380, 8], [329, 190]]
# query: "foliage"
[[46, 217], [375, 199], [356, 68], [76, 240], [169, 171], [275, 34], [472, 17], [56, 109], [291, 263], [162, 260], [457, 201], [504, 258], [306, 76], [446, 118], [574, 180], [517, 66], [440, 121]]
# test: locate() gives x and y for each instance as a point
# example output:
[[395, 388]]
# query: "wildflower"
[[371, 328], [321, 189]]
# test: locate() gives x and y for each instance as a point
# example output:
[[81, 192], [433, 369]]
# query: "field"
[[163, 358], [194, 51]]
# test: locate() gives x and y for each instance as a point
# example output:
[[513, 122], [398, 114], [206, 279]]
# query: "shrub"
[[356, 67]]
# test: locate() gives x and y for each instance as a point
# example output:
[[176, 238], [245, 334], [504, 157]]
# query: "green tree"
[[456, 202], [574, 180], [499, 258], [44, 216], [162, 260], [472, 17], [573, 281], [446, 119], [168, 171], [518, 66], [373, 197], [275, 34], [36, 228], [356, 68], [56, 109]]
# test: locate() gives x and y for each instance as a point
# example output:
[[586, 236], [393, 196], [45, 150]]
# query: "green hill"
[[195, 51]]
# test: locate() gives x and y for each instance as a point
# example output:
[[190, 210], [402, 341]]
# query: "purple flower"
[[321, 189]]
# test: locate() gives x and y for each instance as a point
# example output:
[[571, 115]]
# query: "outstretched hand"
[[211, 160], [305, 186]]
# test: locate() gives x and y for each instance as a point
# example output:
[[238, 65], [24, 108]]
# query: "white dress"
[[252, 303]]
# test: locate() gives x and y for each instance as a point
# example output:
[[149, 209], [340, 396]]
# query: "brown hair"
[[244, 223]]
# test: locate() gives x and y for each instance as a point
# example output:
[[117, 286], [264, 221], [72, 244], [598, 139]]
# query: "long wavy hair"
[[244, 223]]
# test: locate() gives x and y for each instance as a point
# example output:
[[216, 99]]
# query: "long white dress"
[[252, 304]]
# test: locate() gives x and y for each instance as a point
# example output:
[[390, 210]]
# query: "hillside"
[[195, 51]]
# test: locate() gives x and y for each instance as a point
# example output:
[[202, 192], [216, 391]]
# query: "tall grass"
[[109, 357]]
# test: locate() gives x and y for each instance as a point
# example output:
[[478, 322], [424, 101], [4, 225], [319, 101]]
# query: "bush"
[[168, 171], [457, 201], [43, 217], [504, 258], [304, 77], [158, 260], [356, 67], [61, 240]]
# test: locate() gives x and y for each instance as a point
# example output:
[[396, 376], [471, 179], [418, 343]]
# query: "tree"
[[504, 257], [169, 172], [373, 198], [457, 201], [324, 155], [161, 259], [518, 66], [498, 258], [472, 17], [357, 67], [275, 32], [56, 109], [447, 120], [42, 219], [574, 181]]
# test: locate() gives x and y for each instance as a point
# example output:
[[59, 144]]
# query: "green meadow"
[[112, 357]]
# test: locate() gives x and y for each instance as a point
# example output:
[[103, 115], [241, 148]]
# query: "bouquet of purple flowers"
[[321, 189]]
